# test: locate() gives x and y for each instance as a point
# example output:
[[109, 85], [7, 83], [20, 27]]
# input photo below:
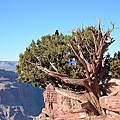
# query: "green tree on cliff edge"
[[115, 65], [75, 65]]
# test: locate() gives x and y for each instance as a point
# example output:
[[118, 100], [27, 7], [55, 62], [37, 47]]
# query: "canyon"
[[22, 101], [18, 101]]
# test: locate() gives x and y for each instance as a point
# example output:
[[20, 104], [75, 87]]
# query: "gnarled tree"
[[75, 65]]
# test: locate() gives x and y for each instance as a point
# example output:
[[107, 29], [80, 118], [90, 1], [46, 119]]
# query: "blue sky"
[[24, 20]]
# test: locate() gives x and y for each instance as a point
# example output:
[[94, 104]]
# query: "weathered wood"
[[71, 94], [65, 78]]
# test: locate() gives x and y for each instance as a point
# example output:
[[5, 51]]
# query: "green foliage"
[[115, 65], [50, 49]]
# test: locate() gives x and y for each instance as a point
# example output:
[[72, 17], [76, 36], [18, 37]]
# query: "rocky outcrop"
[[58, 107], [112, 102], [18, 101]]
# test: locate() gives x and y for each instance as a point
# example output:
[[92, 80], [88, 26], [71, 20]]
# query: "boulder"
[[112, 100]]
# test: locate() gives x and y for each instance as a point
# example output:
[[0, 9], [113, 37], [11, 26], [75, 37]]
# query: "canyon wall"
[[18, 101], [58, 107]]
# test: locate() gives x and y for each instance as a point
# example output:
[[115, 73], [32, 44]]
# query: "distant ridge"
[[8, 65], [18, 101]]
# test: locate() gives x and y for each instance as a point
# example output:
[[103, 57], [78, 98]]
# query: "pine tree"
[[71, 64], [115, 65]]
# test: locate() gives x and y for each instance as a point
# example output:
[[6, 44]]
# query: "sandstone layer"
[[58, 107]]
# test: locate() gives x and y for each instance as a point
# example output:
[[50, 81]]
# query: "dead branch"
[[65, 78], [82, 59], [71, 94]]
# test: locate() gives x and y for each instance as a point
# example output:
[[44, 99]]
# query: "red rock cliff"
[[58, 107]]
